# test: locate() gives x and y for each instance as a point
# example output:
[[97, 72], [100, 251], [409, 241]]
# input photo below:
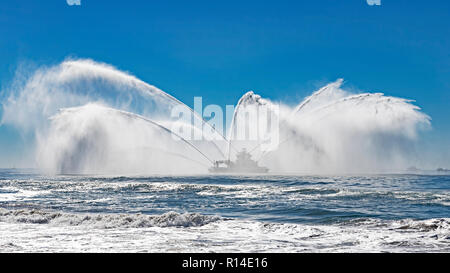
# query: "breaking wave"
[[211, 234], [169, 219]]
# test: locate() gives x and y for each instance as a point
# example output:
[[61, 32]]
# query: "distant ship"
[[243, 164], [413, 169]]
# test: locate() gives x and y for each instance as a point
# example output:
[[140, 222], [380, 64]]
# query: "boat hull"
[[238, 170]]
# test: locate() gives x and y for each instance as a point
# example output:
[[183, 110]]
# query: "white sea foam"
[[128, 233], [15, 194]]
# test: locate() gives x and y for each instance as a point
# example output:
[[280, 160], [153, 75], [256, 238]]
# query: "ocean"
[[206, 213]]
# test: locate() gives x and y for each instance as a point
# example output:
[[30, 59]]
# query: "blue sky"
[[283, 50]]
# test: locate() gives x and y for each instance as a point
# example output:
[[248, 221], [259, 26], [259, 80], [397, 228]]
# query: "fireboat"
[[243, 164]]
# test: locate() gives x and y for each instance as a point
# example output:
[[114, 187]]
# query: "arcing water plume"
[[325, 95], [73, 83], [94, 138], [89, 117], [335, 131], [254, 125], [77, 82]]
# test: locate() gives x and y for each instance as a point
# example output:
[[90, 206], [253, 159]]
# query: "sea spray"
[[33, 101], [89, 117], [97, 139], [334, 131]]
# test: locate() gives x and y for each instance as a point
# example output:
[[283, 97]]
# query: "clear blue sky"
[[219, 49]]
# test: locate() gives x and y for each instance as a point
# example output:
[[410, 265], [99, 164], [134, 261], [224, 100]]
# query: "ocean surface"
[[271, 213]]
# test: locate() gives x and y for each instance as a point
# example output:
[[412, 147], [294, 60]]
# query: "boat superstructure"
[[243, 164]]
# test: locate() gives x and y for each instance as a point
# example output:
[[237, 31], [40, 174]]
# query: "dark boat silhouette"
[[243, 164]]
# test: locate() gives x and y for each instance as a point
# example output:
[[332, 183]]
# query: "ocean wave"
[[169, 219], [365, 235], [423, 225], [213, 234]]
